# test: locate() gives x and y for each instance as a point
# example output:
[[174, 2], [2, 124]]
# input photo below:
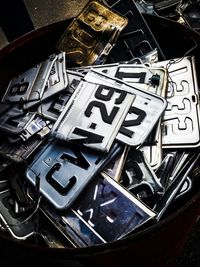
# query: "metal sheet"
[[93, 115], [91, 35], [143, 114], [181, 119], [65, 170], [95, 217]]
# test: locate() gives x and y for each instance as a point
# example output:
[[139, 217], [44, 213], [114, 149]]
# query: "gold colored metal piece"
[[92, 34]]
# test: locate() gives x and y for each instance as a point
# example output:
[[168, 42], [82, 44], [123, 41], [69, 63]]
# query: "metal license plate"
[[52, 108], [30, 85], [92, 34], [136, 39], [19, 151], [51, 80], [181, 119], [16, 225], [65, 170], [147, 78], [104, 212], [138, 177], [143, 114], [93, 115], [14, 120], [177, 183], [20, 87]]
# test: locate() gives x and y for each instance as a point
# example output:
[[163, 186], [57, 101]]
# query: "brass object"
[[92, 34]]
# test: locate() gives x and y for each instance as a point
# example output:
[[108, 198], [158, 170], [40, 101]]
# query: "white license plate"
[[93, 115], [133, 74], [140, 76], [144, 113], [181, 120]]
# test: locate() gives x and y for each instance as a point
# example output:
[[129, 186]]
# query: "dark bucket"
[[158, 245]]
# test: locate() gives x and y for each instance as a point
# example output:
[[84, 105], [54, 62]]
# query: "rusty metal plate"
[[92, 33]]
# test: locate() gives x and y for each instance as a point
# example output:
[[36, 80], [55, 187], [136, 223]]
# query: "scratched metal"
[[91, 35]]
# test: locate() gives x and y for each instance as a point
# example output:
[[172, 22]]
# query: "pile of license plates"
[[102, 149]]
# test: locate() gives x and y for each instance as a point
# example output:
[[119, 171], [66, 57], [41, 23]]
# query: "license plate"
[[92, 34], [115, 166], [65, 170], [147, 78], [143, 114], [136, 39], [51, 80], [52, 108], [93, 115], [30, 85], [181, 119], [34, 127], [176, 185], [153, 150], [95, 217], [19, 88]]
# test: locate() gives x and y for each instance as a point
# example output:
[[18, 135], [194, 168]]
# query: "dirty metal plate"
[[181, 119], [93, 115], [64, 171], [95, 217], [91, 35], [143, 114]]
